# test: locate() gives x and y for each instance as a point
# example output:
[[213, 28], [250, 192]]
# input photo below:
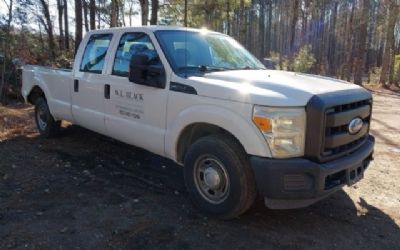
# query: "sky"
[[3, 7], [136, 20]]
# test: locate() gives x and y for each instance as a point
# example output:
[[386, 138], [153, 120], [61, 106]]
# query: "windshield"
[[189, 51]]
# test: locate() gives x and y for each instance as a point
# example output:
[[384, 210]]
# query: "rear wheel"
[[45, 122], [218, 176]]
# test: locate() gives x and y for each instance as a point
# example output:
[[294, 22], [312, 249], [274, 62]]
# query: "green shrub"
[[374, 75], [304, 60], [396, 67]]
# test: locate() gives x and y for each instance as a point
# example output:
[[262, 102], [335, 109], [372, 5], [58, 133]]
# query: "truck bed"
[[56, 83]]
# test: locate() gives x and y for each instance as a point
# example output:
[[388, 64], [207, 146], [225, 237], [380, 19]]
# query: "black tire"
[[45, 122], [226, 151]]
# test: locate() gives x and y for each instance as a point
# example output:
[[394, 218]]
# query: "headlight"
[[283, 129]]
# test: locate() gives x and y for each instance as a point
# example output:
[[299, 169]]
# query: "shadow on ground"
[[83, 190]]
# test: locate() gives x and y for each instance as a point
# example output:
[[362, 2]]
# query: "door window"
[[95, 53], [132, 44]]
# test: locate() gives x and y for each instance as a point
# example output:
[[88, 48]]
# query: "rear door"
[[89, 84]]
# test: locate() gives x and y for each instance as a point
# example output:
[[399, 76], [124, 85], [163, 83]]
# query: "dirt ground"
[[82, 190]]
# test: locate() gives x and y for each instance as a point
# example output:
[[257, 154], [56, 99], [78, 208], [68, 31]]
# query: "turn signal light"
[[263, 124]]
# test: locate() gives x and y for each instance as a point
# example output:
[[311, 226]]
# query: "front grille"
[[338, 141], [328, 118]]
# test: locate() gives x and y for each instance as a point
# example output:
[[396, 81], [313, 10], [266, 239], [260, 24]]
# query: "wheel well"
[[194, 132], [35, 93]]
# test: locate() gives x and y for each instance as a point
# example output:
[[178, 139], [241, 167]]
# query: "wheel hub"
[[212, 178]]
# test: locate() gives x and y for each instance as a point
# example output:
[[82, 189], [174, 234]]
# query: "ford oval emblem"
[[355, 125]]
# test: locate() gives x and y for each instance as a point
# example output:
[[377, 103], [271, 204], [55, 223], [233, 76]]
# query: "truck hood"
[[266, 87]]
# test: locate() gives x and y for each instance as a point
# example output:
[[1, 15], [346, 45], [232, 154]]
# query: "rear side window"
[[95, 53], [132, 44]]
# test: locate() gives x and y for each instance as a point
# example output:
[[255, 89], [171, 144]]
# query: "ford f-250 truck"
[[199, 98]]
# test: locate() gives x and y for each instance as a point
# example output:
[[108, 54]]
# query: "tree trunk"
[[66, 25], [122, 12], [85, 15], [241, 20], [144, 8], [293, 25], [305, 22], [130, 12], [322, 52], [49, 28], [370, 60], [185, 20], [269, 30], [60, 7], [262, 29], [114, 11], [361, 44], [391, 65], [349, 47], [228, 18], [10, 17], [6, 48], [392, 78], [154, 12], [292, 37], [249, 19], [41, 42], [251, 29], [98, 15], [389, 49], [92, 14], [78, 24], [398, 76], [332, 52]]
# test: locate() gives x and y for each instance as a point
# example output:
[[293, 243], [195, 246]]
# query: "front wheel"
[[45, 122], [218, 176]]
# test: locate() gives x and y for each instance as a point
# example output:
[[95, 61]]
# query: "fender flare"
[[245, 131], [37, 82]]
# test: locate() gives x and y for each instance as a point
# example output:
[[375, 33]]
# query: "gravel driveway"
[[82, 190]]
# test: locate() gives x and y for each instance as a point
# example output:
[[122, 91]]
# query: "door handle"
[[107, 91], [76, 85]]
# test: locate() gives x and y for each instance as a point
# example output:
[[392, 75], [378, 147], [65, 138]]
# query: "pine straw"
[[15, 120]]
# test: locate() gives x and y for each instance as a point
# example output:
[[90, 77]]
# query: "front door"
[[135, 114], [88, 90]]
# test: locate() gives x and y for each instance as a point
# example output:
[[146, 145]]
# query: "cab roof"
[[152, 28]]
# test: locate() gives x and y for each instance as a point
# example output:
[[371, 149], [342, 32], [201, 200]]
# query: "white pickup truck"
[[199, 98]]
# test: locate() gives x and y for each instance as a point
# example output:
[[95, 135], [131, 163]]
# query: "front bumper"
[[299, 182]]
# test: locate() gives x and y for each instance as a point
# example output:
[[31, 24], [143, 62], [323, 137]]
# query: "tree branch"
[[8, 6]]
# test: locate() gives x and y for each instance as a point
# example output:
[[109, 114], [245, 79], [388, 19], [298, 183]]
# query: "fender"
[[39, 77], [36, 80], [244, 131]]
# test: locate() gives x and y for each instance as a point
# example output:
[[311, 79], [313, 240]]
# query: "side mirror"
[[142, 72]]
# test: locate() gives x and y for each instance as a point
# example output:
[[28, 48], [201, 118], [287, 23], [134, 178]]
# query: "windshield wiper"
[[203, 68], [207, 68], [250, 68]]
